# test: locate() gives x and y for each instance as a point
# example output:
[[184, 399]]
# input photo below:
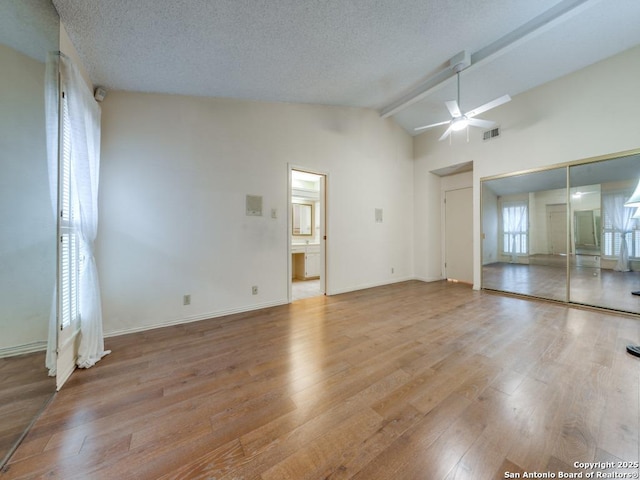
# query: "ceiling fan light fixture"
[[459, 123], [634, 200]]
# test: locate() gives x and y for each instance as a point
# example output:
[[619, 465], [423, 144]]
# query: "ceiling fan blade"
[[488, 106], [445, 134], [453, 108], [478, 122], [417, 129]]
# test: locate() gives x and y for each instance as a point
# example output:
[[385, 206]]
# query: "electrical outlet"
[[186, 299], [254, 290]]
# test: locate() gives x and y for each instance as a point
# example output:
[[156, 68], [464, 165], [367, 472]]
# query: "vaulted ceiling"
[[361, 53]]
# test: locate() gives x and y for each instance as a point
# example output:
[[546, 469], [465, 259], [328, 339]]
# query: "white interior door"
[[557, 228], [459, 235], [323, 234]]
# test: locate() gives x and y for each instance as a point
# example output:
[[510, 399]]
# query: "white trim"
[[429, 279], [63, 375], [195, 318], [377, 284], [23, 349], [69, 340]]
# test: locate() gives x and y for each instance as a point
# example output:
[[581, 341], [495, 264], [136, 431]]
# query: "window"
[[69, 216], [612, 241], [616, 218], [515, 225]]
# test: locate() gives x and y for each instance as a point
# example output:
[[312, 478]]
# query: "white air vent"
[[489, 134]]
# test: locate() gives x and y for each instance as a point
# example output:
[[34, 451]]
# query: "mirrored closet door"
[[29, 31], [524, 220], [579, 244], [605, 237]]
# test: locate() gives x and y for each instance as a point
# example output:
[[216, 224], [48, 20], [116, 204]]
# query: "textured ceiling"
[[364, 53]]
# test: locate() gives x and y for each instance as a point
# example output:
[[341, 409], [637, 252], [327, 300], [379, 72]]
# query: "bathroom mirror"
[[29, 30], [302, 219]]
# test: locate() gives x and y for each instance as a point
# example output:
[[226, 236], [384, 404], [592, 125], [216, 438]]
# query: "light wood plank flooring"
[[25, 388], [407, 381]]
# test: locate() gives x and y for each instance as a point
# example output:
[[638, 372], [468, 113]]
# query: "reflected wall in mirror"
[[302, 219], [580, 245], [29, 30], [606, 263], [524, 219]]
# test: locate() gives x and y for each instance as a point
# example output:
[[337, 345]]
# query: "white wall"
[[589, 113], [428, 223], [175, 172], [28, 245]]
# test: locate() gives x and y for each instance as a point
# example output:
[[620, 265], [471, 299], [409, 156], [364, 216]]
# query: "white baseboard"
[[372, 285], [222, 313], [194, 318], [429, 279], [6, 352]]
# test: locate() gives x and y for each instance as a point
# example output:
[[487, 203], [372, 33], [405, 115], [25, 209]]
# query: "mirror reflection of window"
[[515, 226]]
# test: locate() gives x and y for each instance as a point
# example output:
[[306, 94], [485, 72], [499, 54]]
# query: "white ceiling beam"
[[560, 12]]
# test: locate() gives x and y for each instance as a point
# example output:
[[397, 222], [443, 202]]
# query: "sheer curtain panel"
[[84, 122], [515, 221], [621, 220], [51, 93]]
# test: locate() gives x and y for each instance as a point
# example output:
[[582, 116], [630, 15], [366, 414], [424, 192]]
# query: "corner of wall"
[[68, 48]]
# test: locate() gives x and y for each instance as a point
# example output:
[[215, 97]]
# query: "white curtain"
[[515, 221], [51, 93], [84, 119], [621, 223]]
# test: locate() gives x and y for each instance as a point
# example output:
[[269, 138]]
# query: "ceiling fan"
[[460, 121]]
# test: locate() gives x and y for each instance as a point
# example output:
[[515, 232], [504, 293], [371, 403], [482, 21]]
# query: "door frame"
[[324, 212]]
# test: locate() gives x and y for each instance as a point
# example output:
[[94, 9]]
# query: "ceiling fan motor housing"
[[460, 61]]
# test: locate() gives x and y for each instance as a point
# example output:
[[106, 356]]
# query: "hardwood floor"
[[25, 389], [407, 381]]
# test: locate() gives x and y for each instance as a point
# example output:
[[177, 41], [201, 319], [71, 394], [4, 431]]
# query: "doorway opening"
[[307, 234]]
